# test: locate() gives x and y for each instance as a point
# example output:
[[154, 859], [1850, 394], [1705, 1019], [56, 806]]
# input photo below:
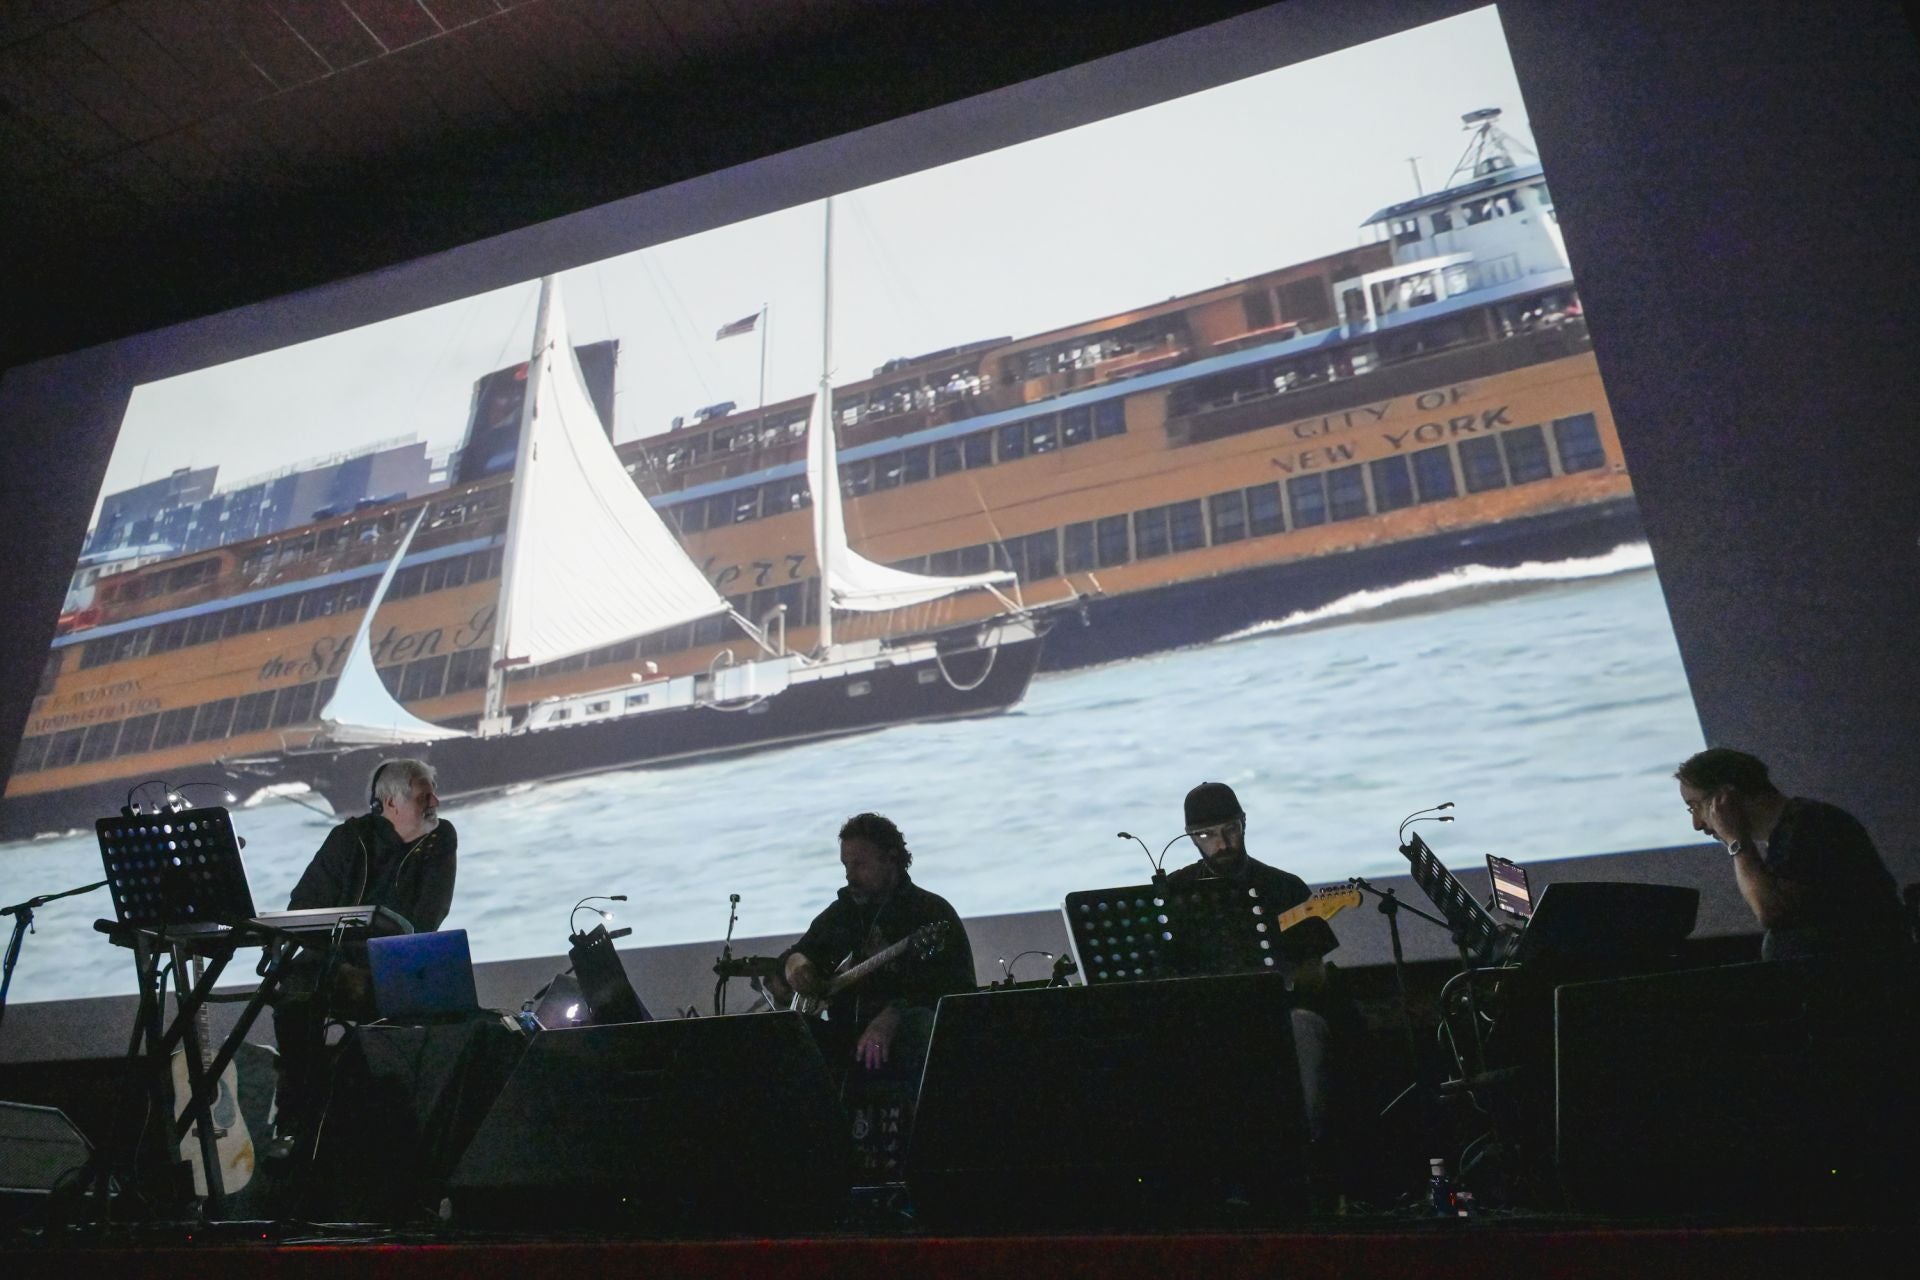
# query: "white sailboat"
[[588, 563]]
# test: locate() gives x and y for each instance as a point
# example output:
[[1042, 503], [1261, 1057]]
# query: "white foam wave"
[[1467, 579]]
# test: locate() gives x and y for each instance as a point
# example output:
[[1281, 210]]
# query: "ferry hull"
[[1199, 610]]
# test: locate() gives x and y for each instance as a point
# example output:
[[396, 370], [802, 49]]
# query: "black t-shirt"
[[853, 930], [1851, 904], [1279, 889]]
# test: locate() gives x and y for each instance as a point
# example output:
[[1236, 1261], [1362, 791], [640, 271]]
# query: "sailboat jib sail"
[[856, 584], [590, 562], [361, 711]]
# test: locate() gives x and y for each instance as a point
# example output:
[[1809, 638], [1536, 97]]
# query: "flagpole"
[[763, 364]]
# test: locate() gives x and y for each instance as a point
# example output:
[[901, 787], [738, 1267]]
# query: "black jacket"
[[849, 929], [365, 862]]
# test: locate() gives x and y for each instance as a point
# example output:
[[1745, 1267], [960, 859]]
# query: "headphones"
[[373, 788]]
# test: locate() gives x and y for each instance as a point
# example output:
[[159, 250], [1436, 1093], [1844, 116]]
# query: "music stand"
[[1205, 928], [179, 887], [1475, 932]]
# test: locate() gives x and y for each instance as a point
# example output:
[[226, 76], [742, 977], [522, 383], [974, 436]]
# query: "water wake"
[[1468, 584]]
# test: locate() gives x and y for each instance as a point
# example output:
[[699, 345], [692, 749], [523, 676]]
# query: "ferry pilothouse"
[[1173, 473]]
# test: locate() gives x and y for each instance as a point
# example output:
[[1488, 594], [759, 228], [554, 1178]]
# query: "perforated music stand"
[[1474, 931], [1140, 932], [175, 872]]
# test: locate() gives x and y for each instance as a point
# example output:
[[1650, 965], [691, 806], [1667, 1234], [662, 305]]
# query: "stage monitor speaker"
[[1760, 1091], [723, 1124], [41, 1152], [1174, 1102]]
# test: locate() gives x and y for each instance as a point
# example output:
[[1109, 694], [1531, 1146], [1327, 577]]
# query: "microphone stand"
[[726, 954], [22, 913], [1391, 906]]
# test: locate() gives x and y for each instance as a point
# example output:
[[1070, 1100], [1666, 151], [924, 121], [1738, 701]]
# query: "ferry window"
[[912, 564], [32, 754], [1307, 495], [407, 582], [65, 747], [1188, 527], [638, 700], [1306, 299], [1110, 537], [856, 478], [693, 516], [975, 559], [1347, 493], [1392, 483], [213, 721], [1011, 556], [435, 580], [466, 669], [887, 471], [1259, 307], [251, 712], [1433, 474], [558, 714], [1405, 230], [1079, 546], [295, 702], [978, 449], [424, 679], [1442, 221], [99, 742], [174, 728], [1579, 441], [710, 630], [231, 620], [457, 569], [943, 564], [1040, 434], [1264, 515], [1480, 465], [913, 465], [599, 708], [96, 653], [50, 672], [1526, 450], [744, 504], [1076, 426], [1109, 419], [1150, 533], [1013, 441], [1043, 554], [947, 458], [1229, 512], [199, 630], [136, 735]]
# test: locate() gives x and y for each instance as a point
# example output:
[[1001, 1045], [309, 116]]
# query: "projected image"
[[1241, 437]]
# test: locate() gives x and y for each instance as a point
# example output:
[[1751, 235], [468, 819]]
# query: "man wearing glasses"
[[1217, 825]]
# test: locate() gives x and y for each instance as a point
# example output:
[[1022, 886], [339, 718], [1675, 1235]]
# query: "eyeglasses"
[[1216, 834]]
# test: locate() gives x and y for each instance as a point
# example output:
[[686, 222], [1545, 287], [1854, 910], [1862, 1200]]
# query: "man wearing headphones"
[[399, 855]]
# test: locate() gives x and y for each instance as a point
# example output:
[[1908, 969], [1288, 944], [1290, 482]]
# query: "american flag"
[[743, 325]]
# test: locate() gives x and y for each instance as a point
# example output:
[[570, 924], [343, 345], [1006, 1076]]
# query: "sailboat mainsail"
[[852, 582], [588, 561], [361, 711]]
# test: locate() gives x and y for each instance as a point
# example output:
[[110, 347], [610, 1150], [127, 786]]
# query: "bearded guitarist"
[[1327, 1029], [884, 1020]]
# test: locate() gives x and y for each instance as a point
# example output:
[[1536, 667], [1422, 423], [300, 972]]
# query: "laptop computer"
[[422, 977]]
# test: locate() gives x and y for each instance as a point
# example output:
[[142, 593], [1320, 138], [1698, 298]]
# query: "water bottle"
[[1439, 1188]]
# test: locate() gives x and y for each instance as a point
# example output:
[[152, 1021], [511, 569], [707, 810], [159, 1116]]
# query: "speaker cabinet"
[[40, 1152], [1747, 1091], [1174, 1102], [728, 1124]]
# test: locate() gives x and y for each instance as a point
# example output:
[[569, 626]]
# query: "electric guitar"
[[1323, 905], [233, 1143], [922, 942]]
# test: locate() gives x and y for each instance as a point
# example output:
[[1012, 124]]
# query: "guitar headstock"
[[1330, 902], [923, 942]]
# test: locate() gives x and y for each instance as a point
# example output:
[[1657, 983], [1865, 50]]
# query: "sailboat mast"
[[832, 477], [494, 717]]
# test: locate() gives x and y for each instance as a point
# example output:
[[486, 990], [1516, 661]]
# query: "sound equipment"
[[403, 1104], [1757, 1090], [727, 1124], [1175, 1102], [41, 1153]]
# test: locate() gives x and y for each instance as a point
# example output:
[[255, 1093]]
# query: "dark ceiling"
[[163, 159]]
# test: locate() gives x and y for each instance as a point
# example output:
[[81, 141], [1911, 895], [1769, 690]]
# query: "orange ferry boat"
[[1175, 473]]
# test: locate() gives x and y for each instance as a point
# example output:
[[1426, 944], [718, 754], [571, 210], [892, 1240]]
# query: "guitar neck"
[[847, 978]]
